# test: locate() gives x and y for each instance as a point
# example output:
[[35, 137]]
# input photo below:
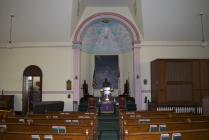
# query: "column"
[[137, 76], [76, 72]]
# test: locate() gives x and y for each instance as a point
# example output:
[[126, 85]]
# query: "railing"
[[194, 109]]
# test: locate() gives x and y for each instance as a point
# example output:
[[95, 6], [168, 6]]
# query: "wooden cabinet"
[[6, 102], [205, 104], [204, 77], [179, 81]]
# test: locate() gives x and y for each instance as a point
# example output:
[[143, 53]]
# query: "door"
[[32, 88]]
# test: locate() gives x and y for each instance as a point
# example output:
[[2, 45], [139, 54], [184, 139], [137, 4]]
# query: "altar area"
[[106, 104], [106, 100]]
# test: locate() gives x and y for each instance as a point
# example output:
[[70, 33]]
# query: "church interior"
[[104, 69]]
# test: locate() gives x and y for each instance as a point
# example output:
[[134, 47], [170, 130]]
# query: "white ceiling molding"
[[69, 44], [35, 44], [171, 43]]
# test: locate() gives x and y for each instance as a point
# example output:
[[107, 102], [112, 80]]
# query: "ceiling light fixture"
[[203, 42], [10, 28]]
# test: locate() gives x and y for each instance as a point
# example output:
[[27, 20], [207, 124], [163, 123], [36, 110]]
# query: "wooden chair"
[[122, 103], [91, 104]]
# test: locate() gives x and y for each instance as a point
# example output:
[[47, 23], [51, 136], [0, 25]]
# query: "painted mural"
[[106, 66], [106, 36]]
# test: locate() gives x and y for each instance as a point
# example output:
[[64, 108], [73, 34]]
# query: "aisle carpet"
[[109, 127]]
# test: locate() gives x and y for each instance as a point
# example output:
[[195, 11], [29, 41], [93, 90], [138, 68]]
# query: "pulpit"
[[106, 104], [107, 107], [106, 94]]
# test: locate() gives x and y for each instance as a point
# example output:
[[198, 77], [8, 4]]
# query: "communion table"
[[106, 105]]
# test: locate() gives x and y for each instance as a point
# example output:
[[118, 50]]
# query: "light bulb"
[[204, 43]]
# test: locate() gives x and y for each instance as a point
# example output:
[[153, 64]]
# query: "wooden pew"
[[89, 122], [197, 134], [60, 119], [41, 122], [63, 115], [158, 120], [165, 115], [123, 113], [28, 136], [6, 113], [141, 114], [168, 126], [50, 129], [80, 122], [133, 122], [47, 128], [43, 127], [161, 120], [40, 118], [158, 116]]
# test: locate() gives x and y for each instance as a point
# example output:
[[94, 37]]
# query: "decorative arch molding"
[[77, 43], [32, 70], [107, 15]]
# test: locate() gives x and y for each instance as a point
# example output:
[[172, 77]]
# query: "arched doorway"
[[135, 46], [32, 88]]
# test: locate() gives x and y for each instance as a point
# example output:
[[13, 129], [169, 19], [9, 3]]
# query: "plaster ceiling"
[[179, 20], [159, 20], [165, 20], [105, 2]]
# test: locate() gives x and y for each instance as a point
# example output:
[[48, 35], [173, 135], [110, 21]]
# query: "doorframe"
[[32, 71]]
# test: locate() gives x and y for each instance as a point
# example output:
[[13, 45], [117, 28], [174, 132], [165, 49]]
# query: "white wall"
[[36, 20], [55, 63], [57, 68], [86, 69], [126, 66]]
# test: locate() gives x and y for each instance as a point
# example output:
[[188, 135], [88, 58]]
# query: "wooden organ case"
[[179, 82]]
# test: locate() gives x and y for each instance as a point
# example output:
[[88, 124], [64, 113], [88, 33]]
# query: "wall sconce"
[[145, 81], [76, 77], [137, 76], [203, 42], [68, 96]]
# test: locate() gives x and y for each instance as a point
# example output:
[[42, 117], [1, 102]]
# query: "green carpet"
[[109, 126]]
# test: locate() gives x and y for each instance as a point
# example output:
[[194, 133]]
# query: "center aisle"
[[108, 126]]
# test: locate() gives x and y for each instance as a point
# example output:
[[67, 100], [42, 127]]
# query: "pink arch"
[[110, 15]]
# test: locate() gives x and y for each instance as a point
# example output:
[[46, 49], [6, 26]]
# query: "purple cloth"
[[107, 107]]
